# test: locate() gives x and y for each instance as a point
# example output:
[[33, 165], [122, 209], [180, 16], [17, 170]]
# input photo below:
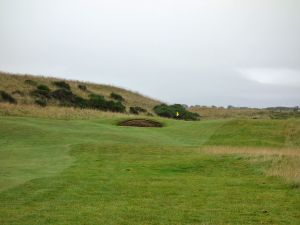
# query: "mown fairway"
[[94, 172]]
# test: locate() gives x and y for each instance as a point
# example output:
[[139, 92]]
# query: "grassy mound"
[[140, 123], [34, 88]]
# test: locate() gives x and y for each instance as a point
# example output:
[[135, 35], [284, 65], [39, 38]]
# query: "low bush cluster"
[[117, 97], [99, 102], [5, 97], [42, 91], [66, 97], [62, 84], [175, 111], [82, 87], [136, 110], [41, 102]]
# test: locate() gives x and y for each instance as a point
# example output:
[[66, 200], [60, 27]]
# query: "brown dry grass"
[[53, 112], [222, 113], [13, 82], [284, 163]]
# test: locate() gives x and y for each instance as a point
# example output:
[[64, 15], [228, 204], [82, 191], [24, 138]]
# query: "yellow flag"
[[177, 114]]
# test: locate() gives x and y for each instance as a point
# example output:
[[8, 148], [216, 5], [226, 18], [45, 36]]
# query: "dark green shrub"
[[5, 97], [170, 111], [115, 106], [30, 82], [82, 87], [132, 110], [136, 110], [65, 96], [80, 102], [41, 102], [117, 97], [98, 102], [62, 84], [164, 111], [43, 87], [42, 91]]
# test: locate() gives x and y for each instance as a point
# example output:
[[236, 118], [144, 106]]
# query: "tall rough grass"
[[54, 112], [284, 163], [222, 113]]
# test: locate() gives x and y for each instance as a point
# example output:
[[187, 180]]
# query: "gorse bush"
[[66, 97], [43, 87], [165, 111], [42, 91], [115, 106], [136, 110], [170, 111], [63, 95], [82, 87], [62, 84], [5, 97], [41, 102], [99, 102], [117, 97], [132, 110]]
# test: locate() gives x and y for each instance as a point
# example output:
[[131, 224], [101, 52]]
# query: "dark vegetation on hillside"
[[136, 110], [41, 102], [62, 84], [99, 102], [175, 111], [5, 97], [42, 91], [63, 95], [82, 87], [66, 97], [117, 97]]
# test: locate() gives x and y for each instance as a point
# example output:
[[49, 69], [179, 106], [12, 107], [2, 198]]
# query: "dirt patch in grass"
[[140, 123]]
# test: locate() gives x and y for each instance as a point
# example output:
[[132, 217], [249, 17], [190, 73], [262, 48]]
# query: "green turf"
[[94, 172]]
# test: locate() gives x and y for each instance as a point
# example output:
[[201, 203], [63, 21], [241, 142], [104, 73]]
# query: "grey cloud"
[[194, 52]]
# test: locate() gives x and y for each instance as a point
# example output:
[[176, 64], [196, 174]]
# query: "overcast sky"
[[206, 52]]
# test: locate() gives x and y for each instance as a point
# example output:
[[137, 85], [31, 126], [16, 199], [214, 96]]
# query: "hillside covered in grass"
[[38, 90]]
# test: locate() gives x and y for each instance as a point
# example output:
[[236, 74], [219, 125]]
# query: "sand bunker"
[[140, 123]]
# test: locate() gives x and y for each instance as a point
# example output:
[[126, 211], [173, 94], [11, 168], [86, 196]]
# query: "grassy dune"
[[15, 85], [245, 113], [91, 171]]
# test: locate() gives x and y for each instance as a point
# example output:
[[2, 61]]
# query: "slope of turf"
[[95, 172], [21, 87]]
